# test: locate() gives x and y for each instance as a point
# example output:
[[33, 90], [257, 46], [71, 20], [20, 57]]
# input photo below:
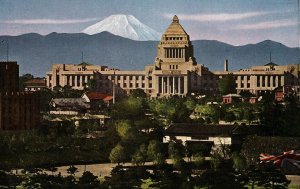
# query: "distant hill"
[[36, 53]]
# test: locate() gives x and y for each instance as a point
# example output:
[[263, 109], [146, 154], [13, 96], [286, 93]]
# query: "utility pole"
[[114, 90]]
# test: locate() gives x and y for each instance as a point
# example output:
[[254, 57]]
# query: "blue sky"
[[237, 22]]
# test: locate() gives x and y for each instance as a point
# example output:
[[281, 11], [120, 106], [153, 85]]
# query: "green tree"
[[198, 160], [249, 115], [175, 150], [227, 84], [140, 156], [117, 154], [138, 93], [215, 161], [155, 152], [123, 128], [128, 108], [88, 180], [239, 162], [91, 85]]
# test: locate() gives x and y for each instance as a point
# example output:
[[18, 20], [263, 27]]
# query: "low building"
[[214, 135], [69, 106], [93, 97], [231, 98], [35, 84], [285, 91]]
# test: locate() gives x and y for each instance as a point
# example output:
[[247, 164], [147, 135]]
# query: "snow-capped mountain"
[[125, 26]]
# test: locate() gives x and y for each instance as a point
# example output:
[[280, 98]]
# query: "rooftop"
[[71, 103], [195, 129], [175, 27]]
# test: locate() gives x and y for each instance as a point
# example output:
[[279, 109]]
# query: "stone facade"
[[260, 79], [174, 72]]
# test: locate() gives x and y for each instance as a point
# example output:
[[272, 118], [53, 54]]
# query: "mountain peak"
[[125, 26]]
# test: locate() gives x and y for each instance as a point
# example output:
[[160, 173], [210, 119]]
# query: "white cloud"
[[266, 25], [48, 21], [219, 17]]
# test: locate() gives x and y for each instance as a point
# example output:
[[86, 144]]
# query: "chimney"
[[226, 66]]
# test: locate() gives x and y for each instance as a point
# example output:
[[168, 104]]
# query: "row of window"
[[116, 77], [125, 85], [173, 67], [174, 38]]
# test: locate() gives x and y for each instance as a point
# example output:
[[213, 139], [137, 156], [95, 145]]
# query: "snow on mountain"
[[125, 26]]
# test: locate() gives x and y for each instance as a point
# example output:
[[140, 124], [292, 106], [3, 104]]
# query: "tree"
[[128, 108], [117, 154], [72, 170], [215, 161], [123, 128], [138, 93], [91, 85], [140, 156], [88, 180], [246, 94], [227, 84], [23, 79], [267, 176], [175, 150], [198, 160], [239, 162], [155, 152], [210, 112], [249, 115]]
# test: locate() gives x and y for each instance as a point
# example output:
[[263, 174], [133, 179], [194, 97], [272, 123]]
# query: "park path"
[[100, 170]]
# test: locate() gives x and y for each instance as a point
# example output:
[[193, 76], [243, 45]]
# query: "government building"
[[260, 79], [174, 72]]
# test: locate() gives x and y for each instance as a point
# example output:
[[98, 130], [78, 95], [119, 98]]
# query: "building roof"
[[195, 129], [108, 98], [232, 95], [96, 95], [271, 64], [36, 82], [71, 103], [175, 27]]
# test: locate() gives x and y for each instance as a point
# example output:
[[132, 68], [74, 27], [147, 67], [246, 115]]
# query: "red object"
[[278, 159]]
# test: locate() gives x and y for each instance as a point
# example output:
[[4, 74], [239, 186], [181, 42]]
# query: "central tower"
[[174, 48], [174, 62]]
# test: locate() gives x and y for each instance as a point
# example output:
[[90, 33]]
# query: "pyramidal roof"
[[175, 27]]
